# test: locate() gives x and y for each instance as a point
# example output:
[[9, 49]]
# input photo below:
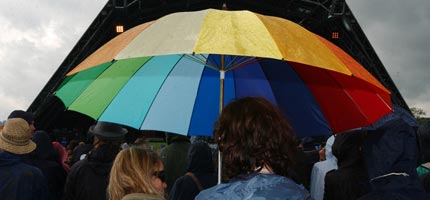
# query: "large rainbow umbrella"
[[175, 74]]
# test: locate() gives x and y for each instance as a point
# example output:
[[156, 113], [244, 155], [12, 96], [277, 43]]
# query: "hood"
[[7, 158], [200, 159], [398, 114], [347, 149], [391, 148], [44, 149], [328, 149], [60, 151]]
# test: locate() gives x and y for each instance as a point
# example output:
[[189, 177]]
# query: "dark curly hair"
[[252, 133]]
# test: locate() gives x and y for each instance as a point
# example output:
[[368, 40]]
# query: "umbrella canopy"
[[176, 73]]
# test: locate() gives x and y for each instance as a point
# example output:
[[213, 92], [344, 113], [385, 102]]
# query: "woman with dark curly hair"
[[257, 147]]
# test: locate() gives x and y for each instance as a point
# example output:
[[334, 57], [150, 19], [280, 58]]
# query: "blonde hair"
[[132, 172]]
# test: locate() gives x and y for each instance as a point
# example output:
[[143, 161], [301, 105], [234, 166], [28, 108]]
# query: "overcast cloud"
[[37, 35], [399, 31]]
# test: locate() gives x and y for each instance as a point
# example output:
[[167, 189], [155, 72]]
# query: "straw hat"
[[15, 137]]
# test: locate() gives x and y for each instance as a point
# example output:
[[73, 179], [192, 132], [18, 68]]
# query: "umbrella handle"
[[219, 166]]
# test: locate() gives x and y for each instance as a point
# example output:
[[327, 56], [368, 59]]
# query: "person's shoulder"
[[28, 171], [270, 186], [141, 196], [279, 186], [212, 193], [78, 166]]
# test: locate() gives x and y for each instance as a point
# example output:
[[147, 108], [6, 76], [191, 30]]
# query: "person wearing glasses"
[[137, 174]]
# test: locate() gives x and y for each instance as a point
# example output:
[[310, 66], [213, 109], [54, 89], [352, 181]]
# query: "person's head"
[[200, 158], [27, 116], [44, 150], [107, 136], [347, 147], [106, 132], [16, 137], [136, 170], [252, 134]]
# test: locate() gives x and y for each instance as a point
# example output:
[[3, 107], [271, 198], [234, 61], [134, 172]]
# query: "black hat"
[[27, 116], [108, 131]]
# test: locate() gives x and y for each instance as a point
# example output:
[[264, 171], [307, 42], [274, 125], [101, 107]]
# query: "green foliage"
[[419, 114]]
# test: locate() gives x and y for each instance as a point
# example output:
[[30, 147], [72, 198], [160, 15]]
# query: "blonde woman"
[[137, 174]]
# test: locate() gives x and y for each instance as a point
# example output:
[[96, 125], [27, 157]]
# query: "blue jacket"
[[20, 181], [260, 186]]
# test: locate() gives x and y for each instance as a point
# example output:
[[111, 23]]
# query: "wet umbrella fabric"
[[175, 75]]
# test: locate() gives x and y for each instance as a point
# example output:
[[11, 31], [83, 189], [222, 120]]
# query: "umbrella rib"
[[244, 63], [235, 60], [201, 61], [385, 103], [349, 96]]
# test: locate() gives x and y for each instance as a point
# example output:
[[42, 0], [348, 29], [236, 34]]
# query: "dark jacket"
[[44, 158], [174, 158], [391, 158], [201, 164], [424, 143], [88, 179], [79, 151], [20, 181], [350, 180]]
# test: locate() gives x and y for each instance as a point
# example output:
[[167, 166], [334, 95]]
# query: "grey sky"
[[399, 31], [36, 36]]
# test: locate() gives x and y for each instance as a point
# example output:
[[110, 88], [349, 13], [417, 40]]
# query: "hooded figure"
[[391, 158], [350, 180], [49, 163], [424, 142], [200, 173], [320, 169]]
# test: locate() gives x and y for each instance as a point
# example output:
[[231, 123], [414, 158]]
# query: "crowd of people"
[[260, 156]]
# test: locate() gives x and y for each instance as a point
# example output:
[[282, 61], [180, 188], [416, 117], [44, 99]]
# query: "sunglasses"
[[161, 175]]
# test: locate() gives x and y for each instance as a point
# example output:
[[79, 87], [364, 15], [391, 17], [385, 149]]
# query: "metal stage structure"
[[331, 19]]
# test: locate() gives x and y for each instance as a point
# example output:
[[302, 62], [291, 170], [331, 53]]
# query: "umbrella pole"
[[221, 106]]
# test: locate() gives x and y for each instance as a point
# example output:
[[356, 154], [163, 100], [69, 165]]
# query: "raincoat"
[[256, 186], [391, 157], [320, 169]]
